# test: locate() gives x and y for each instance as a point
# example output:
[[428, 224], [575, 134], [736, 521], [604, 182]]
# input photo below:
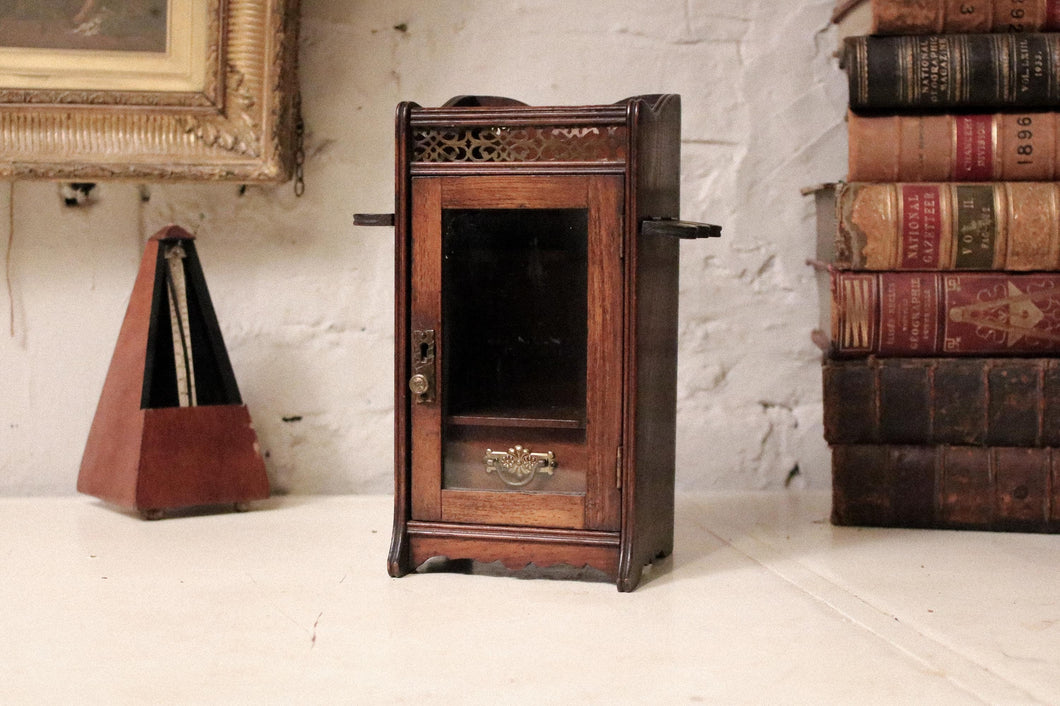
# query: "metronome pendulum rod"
[[179, 324]]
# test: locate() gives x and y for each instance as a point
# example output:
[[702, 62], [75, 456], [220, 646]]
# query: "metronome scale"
[[180, 326], [171, 430]]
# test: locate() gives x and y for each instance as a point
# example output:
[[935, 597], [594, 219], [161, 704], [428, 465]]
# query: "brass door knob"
[[419, 384]]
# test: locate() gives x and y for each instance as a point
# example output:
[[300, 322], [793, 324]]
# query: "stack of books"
[[942, 372]]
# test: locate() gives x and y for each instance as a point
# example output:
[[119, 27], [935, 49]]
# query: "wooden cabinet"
[[536, 326]]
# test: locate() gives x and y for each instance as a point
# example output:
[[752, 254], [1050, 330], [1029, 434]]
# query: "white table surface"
[[762, 602]]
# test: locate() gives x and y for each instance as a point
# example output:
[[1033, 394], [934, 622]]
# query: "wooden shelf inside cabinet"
[[536, 329], [541, 421]]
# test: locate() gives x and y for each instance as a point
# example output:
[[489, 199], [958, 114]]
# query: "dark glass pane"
[[514, 313]]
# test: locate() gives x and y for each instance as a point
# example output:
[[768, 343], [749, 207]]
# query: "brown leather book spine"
[[884, 486], [939, 72], [954, 226], [961, 16], [960, 397], [1019, 146], [894, 314], [960, 401], [851, 407], [1015, 404], [952, 487], [904, 399]]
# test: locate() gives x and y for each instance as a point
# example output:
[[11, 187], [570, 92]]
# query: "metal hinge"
[[618, 468]]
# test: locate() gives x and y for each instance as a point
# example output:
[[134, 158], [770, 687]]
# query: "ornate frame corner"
[[240, 127]]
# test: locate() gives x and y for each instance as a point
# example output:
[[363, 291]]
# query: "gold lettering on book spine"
[[856, 293]]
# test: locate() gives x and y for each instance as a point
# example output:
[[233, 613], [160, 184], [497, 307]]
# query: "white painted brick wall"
[[305, 299]]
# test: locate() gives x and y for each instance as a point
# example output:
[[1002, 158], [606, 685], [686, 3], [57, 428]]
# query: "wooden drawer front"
[[518, 509], [464, 467]]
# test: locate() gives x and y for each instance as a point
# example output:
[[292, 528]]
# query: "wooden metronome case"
[[144, 451]]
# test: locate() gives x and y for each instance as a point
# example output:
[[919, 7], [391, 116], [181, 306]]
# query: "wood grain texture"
[[426, 314], [111, 458], [649, 456], [515, 549], [627, 507], [505, 507], [398, 557], [158, 458], [606, 324]]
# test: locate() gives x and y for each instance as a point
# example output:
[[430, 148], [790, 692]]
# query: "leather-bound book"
[[1019, 146], [941, 226], [937, 72], [946, 313], [948, 16], [953, 487], [969, 401]]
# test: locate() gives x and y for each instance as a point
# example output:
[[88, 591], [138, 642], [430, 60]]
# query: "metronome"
[[171, 430]]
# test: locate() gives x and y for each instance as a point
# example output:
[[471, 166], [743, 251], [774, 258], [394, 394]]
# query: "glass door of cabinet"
[[516, 350]]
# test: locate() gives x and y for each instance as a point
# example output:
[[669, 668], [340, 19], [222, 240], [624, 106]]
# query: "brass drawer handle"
[[518, 466]]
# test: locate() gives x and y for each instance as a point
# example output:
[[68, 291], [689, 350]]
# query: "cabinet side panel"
[[655, 400], [397, 559], [652, 338]]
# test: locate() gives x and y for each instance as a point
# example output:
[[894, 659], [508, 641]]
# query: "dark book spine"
[[966, 401], [952, 71], [898, 314], [952, 487]]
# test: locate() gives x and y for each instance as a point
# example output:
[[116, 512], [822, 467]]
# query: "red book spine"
[[974, 153], [945, 313]]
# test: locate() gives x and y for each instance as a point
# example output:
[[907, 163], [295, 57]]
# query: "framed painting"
[[148, 90]]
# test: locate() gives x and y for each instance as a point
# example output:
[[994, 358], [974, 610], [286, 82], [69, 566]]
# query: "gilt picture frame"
[[156, 90]]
